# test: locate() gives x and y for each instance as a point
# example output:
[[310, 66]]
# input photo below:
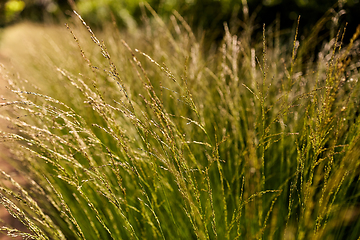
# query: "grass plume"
[[150, 138]]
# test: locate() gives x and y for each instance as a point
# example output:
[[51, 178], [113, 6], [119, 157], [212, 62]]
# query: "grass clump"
[[150, 139]]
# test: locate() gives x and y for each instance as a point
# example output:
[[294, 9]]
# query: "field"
[[147, 134]]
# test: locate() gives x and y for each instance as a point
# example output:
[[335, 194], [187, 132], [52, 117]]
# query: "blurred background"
[[207, 15]]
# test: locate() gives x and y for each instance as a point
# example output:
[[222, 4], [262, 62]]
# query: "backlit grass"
[[143, 136]]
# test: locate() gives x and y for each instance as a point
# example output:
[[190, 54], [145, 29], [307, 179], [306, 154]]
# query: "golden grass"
[[149, 138]]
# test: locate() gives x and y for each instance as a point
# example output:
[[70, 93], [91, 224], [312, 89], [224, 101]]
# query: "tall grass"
[[148, 138]]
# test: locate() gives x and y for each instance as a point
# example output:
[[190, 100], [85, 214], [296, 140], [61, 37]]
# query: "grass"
[[150, 138]]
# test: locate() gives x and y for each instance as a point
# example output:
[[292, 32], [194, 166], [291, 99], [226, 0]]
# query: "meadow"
[[142, 134]]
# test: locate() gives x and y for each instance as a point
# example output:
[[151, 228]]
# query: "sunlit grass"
[[150, 138]]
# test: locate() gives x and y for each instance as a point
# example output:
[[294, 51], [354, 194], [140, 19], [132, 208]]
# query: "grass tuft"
[[150, 138]]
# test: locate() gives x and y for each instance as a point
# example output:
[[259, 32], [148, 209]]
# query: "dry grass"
[[149, 139]]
